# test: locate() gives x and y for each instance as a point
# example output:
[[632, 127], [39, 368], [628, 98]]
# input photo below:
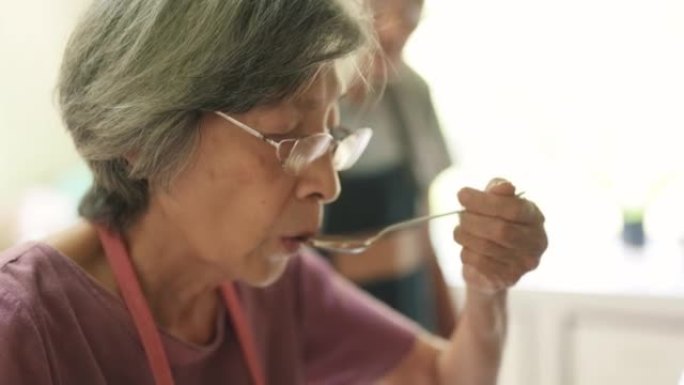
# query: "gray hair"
[[137, 75]]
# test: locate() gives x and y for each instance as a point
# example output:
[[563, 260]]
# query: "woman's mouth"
[[292, 244]]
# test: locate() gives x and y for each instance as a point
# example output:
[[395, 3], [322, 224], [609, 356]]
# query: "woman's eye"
[[278, 137], [281, 132], [284, 136]]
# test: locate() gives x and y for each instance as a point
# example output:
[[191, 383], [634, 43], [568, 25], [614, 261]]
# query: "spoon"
[[358, 244]]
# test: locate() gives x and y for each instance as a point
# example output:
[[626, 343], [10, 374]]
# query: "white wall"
[[598, 84], [579, 102], [34, 147]]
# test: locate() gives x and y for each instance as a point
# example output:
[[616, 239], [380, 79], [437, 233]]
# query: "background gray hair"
[[137, 74]]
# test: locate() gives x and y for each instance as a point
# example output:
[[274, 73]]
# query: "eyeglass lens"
[[300, 153]]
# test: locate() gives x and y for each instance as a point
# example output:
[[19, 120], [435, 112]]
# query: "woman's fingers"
[[508, 235], [509, 207], [502, 235]]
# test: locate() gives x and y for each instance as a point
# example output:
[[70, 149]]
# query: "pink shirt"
[[58, 326]]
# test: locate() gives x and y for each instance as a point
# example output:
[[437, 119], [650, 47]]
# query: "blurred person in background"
[[390, 181], [211, 130]]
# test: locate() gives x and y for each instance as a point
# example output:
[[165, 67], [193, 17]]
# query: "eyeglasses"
[[297, 154]]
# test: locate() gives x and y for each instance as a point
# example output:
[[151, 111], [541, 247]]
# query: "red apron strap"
[[137, 306], [244, 333]]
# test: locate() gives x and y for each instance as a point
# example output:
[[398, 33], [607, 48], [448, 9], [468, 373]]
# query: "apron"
[[120, 262]]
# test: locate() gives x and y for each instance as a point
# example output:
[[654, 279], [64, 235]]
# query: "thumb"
[[500, 186]]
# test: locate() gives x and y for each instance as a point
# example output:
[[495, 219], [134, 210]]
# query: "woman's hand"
[[503, 238], [502, 235]]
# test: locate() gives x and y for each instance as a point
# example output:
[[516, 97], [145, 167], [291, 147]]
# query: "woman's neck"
[[181, 290]]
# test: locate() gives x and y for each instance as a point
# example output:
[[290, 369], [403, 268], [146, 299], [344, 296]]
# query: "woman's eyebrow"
[[332, 92]]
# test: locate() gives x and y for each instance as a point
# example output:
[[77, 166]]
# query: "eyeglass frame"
[[276, 144]]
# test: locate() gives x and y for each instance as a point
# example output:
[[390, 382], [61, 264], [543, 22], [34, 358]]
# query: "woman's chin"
[[270, 273]]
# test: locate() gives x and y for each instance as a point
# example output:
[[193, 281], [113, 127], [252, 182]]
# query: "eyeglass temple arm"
[[247, 128]]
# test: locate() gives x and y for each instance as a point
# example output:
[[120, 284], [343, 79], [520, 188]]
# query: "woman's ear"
[[131, 157]]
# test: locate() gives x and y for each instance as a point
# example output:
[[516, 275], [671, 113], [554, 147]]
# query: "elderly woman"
[[211, 131]]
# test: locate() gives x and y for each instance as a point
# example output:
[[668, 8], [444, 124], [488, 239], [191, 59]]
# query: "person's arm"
[[445, 306], [503, 238]]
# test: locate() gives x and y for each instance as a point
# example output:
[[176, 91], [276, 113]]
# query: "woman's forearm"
[[473, 355]]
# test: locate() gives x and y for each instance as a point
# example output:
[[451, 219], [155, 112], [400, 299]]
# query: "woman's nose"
[[319, 181]]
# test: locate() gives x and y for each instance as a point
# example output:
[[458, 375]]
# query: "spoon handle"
[[415, 221]]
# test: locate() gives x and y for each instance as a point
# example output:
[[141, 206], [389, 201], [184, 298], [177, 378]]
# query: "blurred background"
[[579, 103]]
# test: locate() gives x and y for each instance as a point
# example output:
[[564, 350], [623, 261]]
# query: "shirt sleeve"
[[350, 337], [23, 359]]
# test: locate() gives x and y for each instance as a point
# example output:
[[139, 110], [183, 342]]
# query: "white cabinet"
[[588, 339], [625, 348]]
